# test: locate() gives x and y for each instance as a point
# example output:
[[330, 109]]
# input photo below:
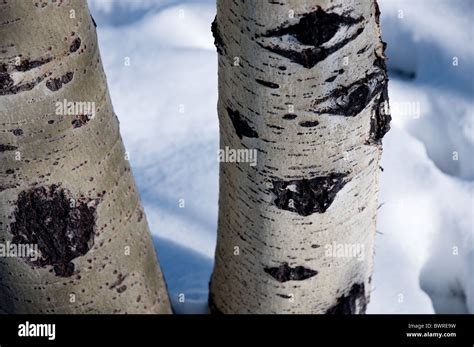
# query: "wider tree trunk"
[[304, 83], [65, 184]]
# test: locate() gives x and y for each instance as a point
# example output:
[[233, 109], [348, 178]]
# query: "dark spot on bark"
[[80, 120], [331, 79], [274, 126], [309, 124], [140, 216], [6, 82], [51, 121], [27, 64], [17, 132], [22, 87], [218, 41], [93, 22], [118, 282], [289, 116], [242, 128], [363, 49], [9, 171], [267, 84], [282, 68], [308, 196], [315, 246], [75, 45], [121, 289], [353, 302], [55, 84], [4, 148], [5, 187], [62, 228], [380, 119], [350, 100], [313, 29], [285, 273], [284, 296]]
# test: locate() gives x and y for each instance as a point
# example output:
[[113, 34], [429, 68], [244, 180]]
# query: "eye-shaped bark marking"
[[285, 273], [350, 100], [354, 302], [308, 196], [313, 38], [62, 228], [242, 128]]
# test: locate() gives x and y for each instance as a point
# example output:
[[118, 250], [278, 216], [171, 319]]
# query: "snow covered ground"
[[162, 72]]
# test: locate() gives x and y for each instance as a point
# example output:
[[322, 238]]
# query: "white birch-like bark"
[[65, 183], [304, 83]]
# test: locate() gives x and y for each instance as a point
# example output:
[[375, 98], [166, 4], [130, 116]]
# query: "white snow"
[[162, 72]]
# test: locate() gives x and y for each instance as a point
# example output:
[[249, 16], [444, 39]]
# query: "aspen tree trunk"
[[305, 84], [65, 184]]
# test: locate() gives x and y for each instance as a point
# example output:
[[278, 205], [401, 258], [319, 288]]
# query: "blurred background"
[[161, 66]]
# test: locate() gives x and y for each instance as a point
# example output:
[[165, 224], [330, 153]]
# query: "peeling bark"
[[307, 95], [65, 186]]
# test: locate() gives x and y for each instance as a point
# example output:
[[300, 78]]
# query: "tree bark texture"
[[305, 84], [65, 184]]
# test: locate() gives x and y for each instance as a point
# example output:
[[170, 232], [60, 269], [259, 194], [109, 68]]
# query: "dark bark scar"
[[62, 227], [308, 196], [285, 273]]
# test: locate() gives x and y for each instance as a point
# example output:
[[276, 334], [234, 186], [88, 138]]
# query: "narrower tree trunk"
[[304, 83], [66, 187]]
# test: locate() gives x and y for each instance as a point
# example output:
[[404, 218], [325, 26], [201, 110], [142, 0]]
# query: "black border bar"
[[319, 330]]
